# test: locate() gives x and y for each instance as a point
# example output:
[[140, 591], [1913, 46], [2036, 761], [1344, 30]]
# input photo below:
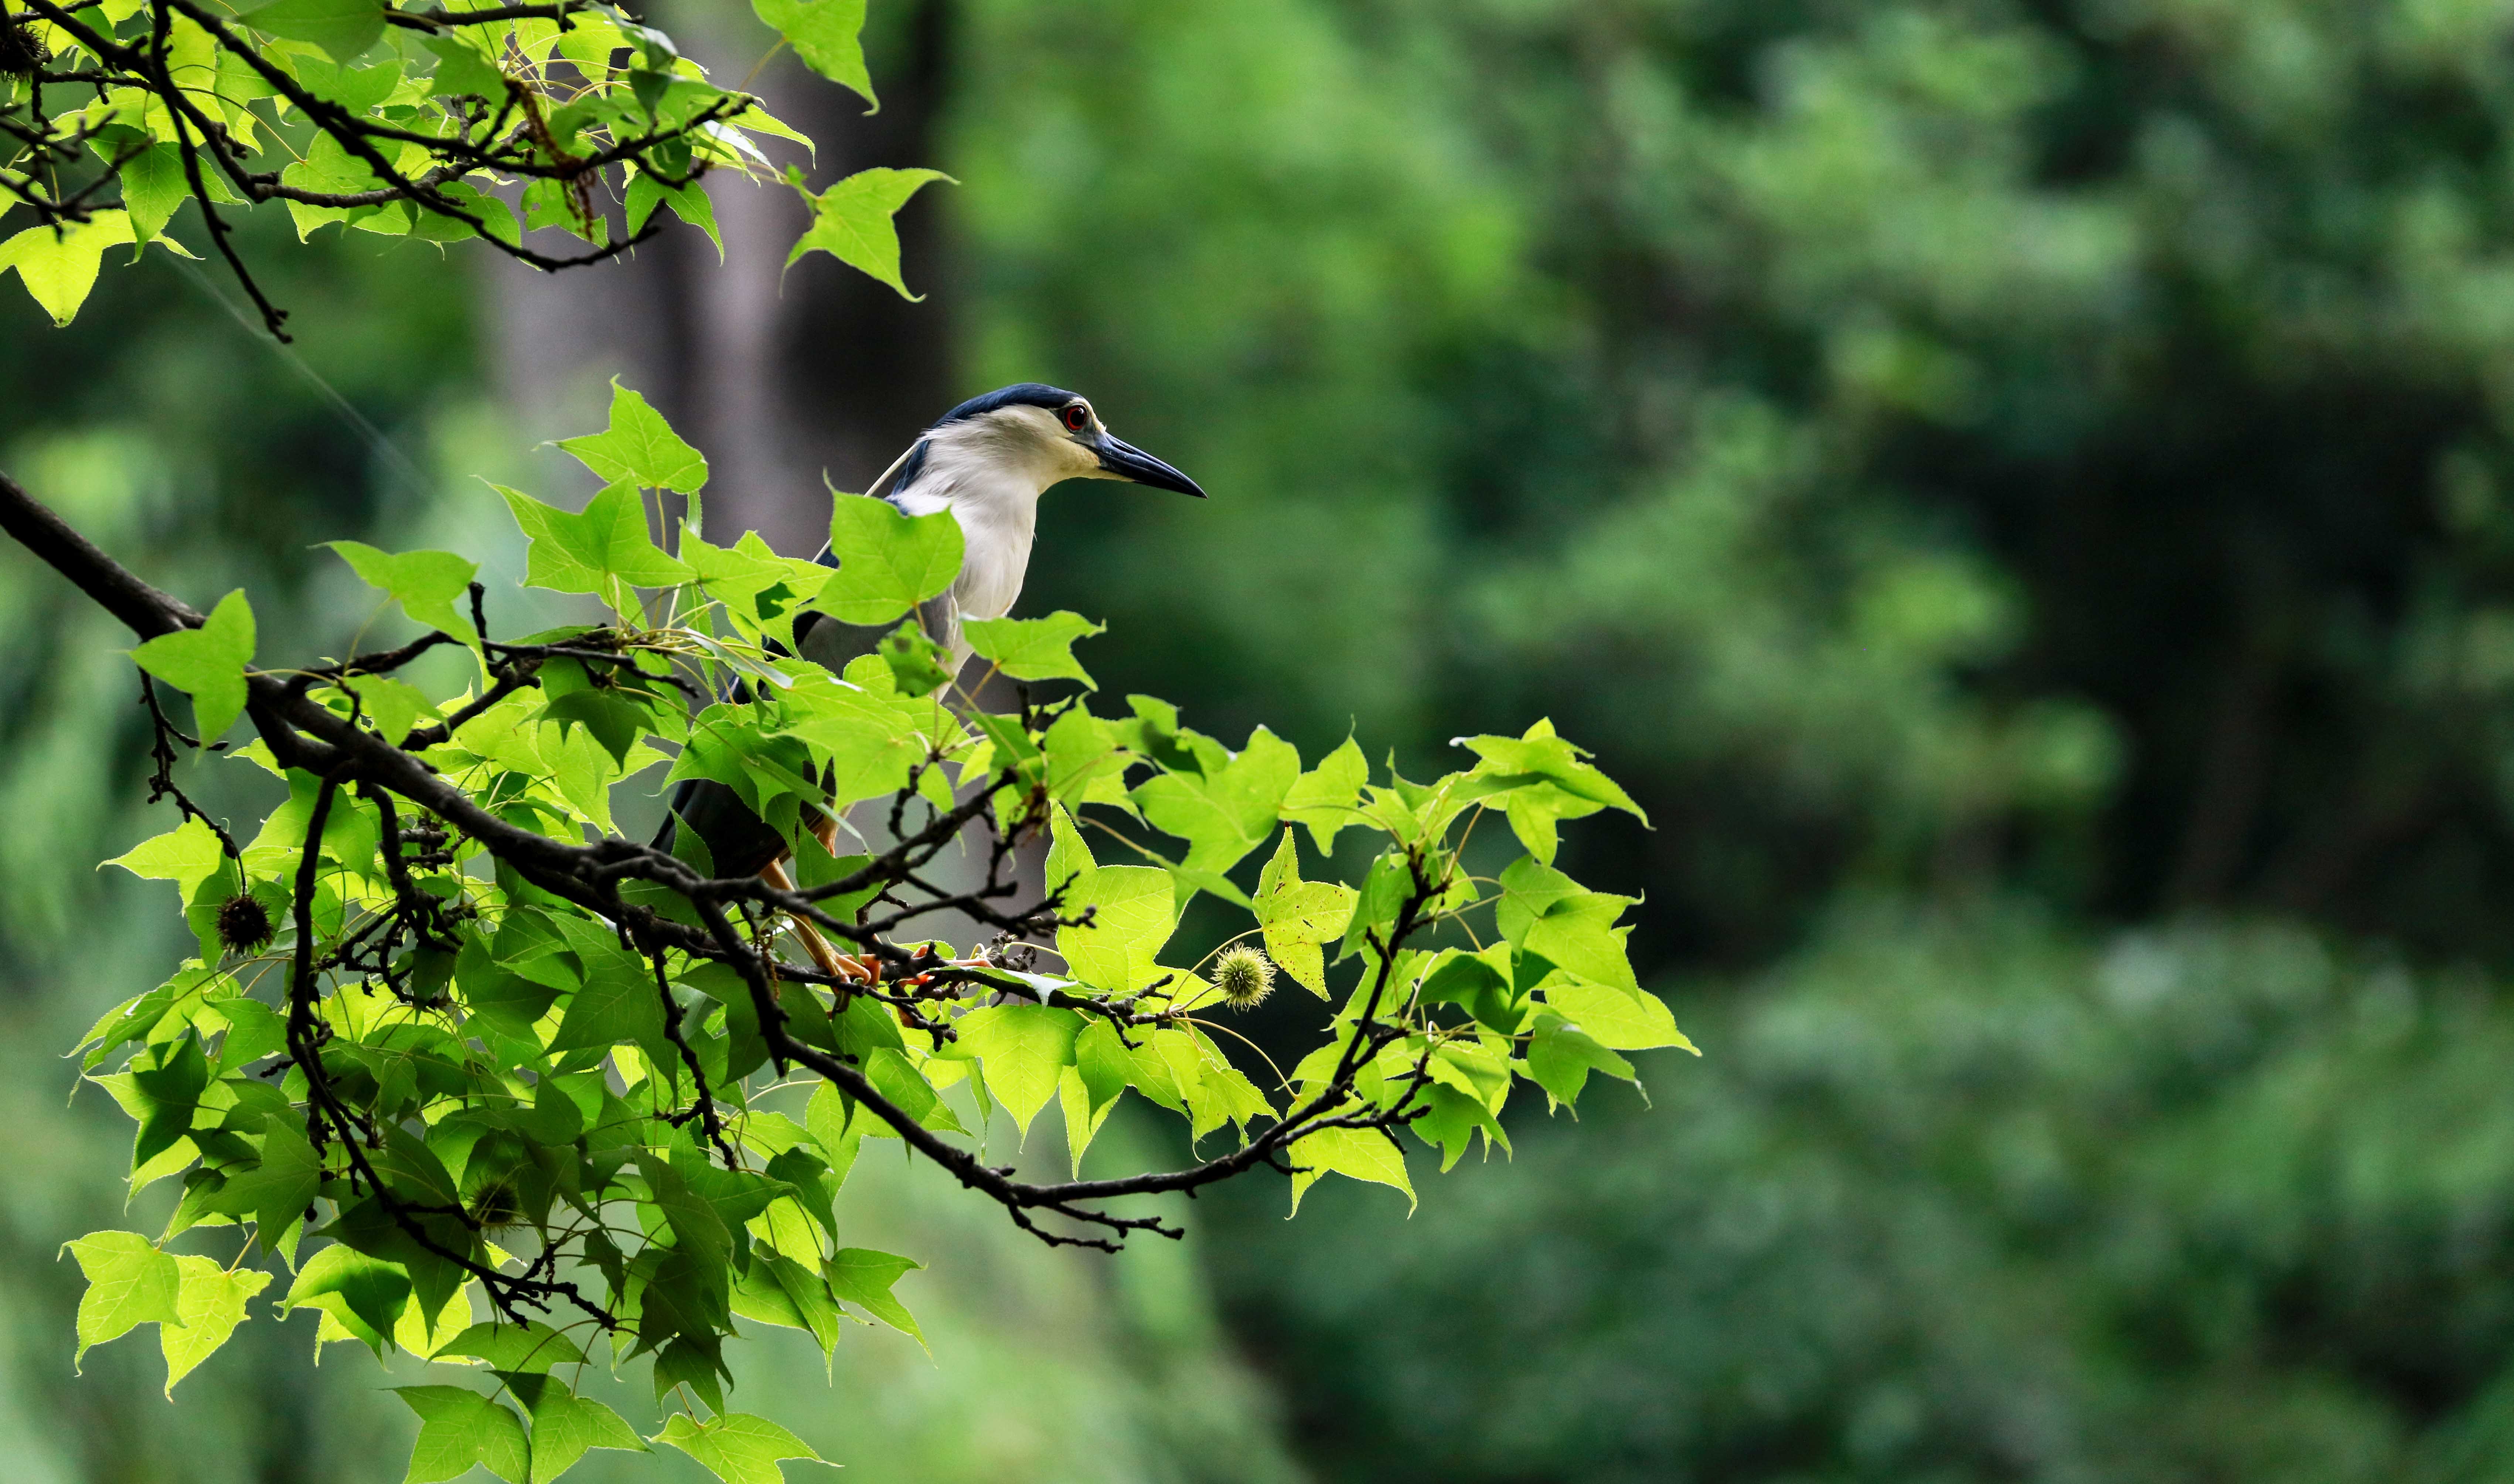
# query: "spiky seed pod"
[[1245, 976], [498, 1205], [244, 924], [19, 51]]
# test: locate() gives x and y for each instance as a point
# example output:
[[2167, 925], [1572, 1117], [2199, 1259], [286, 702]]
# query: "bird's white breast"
[[988, 471], [998, 508]]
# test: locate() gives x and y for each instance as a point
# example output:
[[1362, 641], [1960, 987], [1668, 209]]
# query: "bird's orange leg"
[[828, 959]]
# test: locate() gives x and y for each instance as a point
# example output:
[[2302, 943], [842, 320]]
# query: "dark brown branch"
[[447, 21]]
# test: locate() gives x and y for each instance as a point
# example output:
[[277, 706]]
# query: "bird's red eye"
[[1077, 417]]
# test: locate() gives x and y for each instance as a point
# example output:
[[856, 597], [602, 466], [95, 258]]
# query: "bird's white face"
[[993, 464], [1050, 444]]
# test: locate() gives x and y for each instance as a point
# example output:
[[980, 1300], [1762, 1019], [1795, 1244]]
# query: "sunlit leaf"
[[60, 267], [460, 1429], [210, 1308], [639, 446], [129, 1283], [851, 221], [736, 1448], [888, 561], [207, 662]]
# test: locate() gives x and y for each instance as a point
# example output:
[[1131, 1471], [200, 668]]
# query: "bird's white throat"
[[989, 471]]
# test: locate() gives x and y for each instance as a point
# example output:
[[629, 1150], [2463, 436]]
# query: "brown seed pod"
[[244, 924], [19, 51]]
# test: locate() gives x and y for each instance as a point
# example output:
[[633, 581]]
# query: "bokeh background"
[[2017, 487]]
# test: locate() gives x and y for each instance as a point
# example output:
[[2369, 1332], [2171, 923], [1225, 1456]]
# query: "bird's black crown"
[[1019, 394]]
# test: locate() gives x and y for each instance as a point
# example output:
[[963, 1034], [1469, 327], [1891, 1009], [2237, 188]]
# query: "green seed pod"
[[1246, 976]]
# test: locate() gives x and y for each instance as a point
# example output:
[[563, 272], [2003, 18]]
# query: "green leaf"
[[1364, 1154], [366, 1294], [1083, 761], [917, 664], [888, 561], [867, 743], [1481, 982], [412, 1169], [460, 1429], [1383, 890], [1086, 1097], [601, 550], [737, 1446], [1324, 798], [1224, 813], [330, 169], [461, 69], [393, 707], [276, 1191], [618, 1003], [639, 446], [1545, 913], [1134, 910], [186, 855], [851, 221], [686, 1362], [129, 1283], [1624, 1020], [1023, 1049], [207, 662], [864, 1278], [211, 1306], [153, 185], [529, 1347], [344, 28], [165, 1096], [1034, 648], [897, 1080], [566, 1426], [1560, 1056], [356, 88], [254, 1032], [426, 584], [689, 201], [1540, 779], [1299, 917], [825, 35], [59, 268]]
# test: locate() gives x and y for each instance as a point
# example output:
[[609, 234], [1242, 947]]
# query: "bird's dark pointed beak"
[[1128, 461]]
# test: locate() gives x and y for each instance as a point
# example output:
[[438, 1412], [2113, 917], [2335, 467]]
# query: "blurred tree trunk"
[[778, 375]]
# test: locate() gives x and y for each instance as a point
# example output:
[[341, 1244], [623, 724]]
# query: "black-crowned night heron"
[[987, 462]]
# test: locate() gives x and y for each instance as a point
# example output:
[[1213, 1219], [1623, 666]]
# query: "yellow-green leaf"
[[207, 662], [129, 1283], [1364, 1154], [851, 221], [737, 1446], [888, 561], [59, 268], [211, 1306], [459, 1428], [824, 33], [639, 445]]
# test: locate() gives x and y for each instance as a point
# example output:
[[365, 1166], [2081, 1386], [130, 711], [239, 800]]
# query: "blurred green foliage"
[[1957, 1197], [1945, 452], [2053, 443]]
